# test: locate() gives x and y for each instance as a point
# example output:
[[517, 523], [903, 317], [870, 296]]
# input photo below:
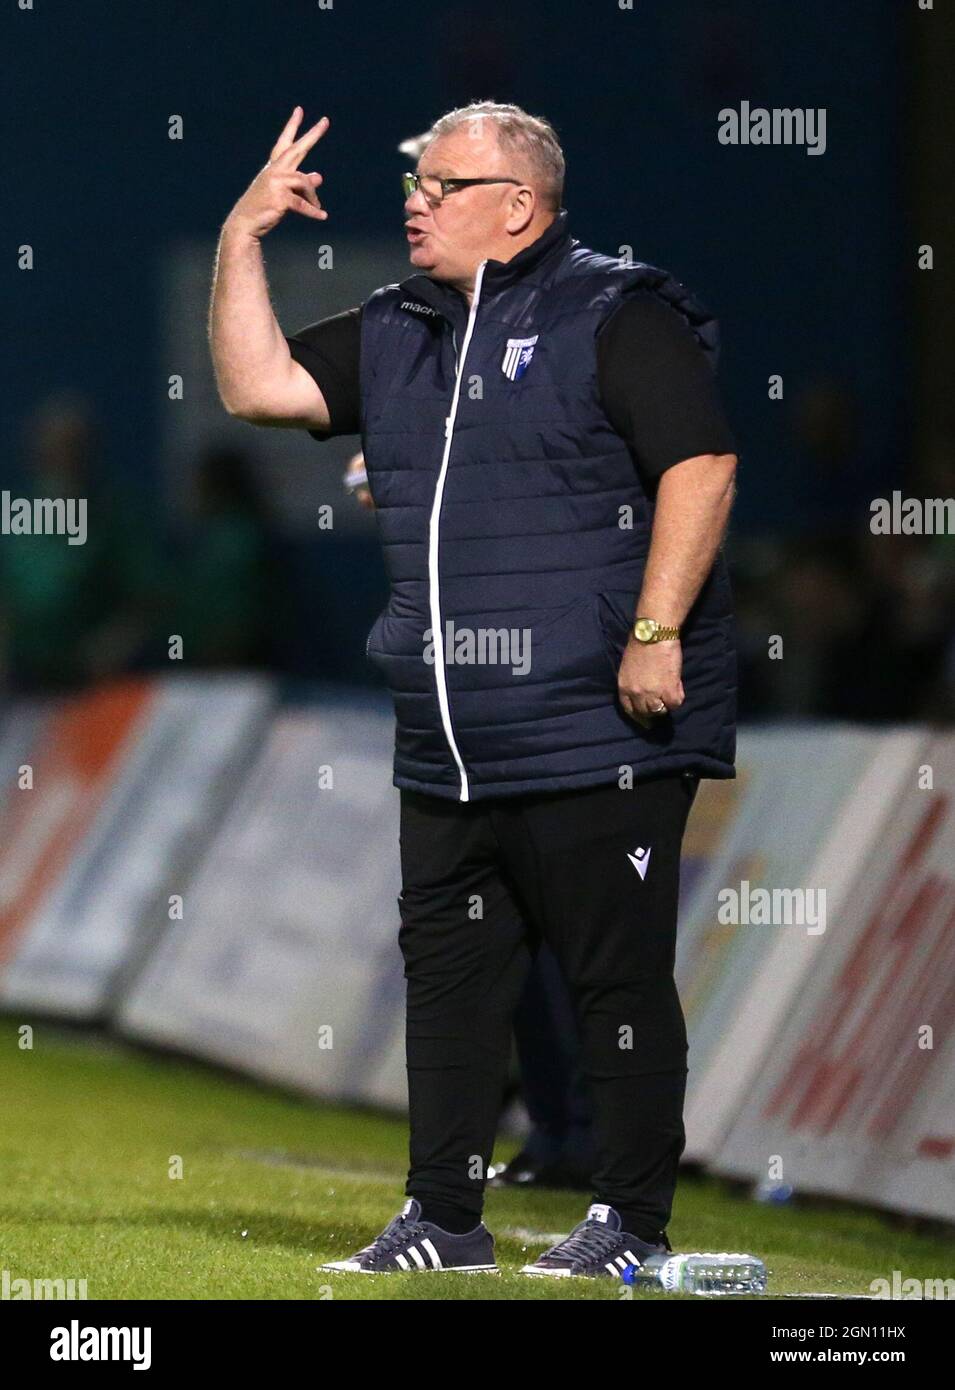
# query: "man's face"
[[448, 242]]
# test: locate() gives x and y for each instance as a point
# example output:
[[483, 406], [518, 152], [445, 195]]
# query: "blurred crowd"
[[834, 622], [73, 614], [866, 621], [867, 627]]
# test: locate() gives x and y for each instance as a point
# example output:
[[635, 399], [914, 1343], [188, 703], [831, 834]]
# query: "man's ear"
[[523, 206]]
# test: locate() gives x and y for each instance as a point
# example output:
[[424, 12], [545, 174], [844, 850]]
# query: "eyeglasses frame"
[[447, 185]]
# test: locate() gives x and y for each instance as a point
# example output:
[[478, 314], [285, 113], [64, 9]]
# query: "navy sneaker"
[[408, 1243], [596, 1247]]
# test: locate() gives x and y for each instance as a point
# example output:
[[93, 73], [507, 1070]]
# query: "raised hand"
[[280, 186]]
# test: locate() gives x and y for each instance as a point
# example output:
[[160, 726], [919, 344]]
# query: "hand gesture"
[[281, 186]]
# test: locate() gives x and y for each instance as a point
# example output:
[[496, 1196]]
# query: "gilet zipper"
[[434, 589]]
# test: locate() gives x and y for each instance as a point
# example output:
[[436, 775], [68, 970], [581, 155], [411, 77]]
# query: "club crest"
[[517, 356]]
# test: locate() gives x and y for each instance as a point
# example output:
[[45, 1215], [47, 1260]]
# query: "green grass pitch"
[[273, 1184]]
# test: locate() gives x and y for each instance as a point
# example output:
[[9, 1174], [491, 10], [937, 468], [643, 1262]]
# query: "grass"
[[273, 1184]]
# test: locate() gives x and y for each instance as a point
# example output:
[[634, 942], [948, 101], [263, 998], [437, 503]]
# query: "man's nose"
[[416, 203]]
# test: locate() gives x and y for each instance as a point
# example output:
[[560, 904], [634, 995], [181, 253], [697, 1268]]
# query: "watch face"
[[644, 629]]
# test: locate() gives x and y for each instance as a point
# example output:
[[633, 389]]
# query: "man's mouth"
[[415, 234]]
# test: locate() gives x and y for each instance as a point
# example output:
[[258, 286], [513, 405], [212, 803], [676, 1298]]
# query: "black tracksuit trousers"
[[595, 874]]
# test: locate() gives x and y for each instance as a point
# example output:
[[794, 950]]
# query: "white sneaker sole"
[[350, 1267]]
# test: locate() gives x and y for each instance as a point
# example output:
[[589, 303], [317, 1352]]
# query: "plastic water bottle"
[[721, 1273]]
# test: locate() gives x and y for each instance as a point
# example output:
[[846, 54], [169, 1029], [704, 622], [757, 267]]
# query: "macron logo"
[[415, 308], [640, 859]]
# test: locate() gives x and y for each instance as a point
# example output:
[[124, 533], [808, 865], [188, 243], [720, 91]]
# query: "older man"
[[552, 476]]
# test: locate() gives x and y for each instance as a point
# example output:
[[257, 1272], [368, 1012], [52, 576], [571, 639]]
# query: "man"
[[552, 477], [558, 1149]]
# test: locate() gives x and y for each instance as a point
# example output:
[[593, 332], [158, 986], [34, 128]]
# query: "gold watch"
[[648, 630]]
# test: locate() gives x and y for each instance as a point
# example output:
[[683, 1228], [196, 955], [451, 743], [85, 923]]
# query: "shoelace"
[[395, 1234], [590, 1241]]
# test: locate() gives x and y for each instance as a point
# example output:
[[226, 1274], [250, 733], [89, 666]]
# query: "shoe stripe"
[[621, 1261], [402, 1261], [435, 1257], [631, 1257], [416, 1255]]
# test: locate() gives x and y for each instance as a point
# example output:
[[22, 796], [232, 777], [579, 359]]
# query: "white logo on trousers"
[[640, 859]]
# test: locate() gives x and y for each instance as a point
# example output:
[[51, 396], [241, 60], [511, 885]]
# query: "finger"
[[300, 205], [297, 151], [650, 705], [288, 133], [672, 696], [311, 182], [302, 185], [294, 182], [630, 709]]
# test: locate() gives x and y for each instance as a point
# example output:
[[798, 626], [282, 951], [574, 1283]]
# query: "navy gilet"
[[515, 532]]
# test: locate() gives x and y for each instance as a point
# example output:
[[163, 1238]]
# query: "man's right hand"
[[281, 186]]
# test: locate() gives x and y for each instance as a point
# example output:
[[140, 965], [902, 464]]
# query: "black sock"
[[453, 1219]]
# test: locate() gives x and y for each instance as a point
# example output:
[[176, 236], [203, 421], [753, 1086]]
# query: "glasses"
[[436, 190]]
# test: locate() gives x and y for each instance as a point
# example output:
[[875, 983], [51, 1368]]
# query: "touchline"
[[43, 516]]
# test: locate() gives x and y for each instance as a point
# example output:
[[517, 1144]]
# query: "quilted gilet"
[[515, 532]]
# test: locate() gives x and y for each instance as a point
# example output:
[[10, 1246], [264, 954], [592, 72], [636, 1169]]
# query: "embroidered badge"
[[517, 356]]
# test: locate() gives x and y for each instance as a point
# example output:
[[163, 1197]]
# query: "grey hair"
[[530, 140]]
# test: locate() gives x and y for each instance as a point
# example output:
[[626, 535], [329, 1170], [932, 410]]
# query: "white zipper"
[[433, 581]]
